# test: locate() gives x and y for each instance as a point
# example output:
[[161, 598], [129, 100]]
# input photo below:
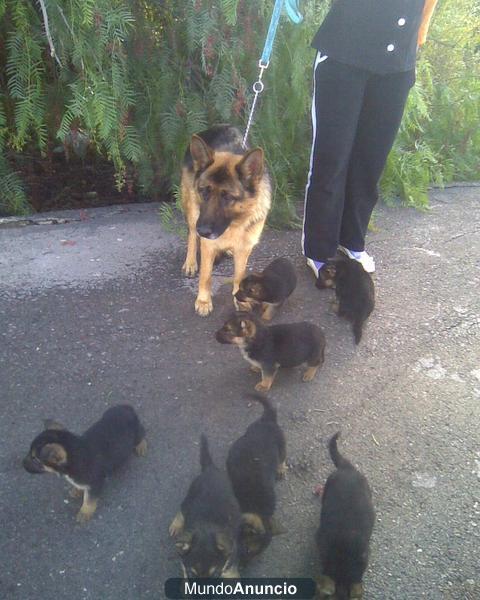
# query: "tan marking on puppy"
[[141, 448], [266, 383], [325, 587], [255, 368], [231, 573], [54, 454], [310, 373], [177, 524], [282, 470], [254, 521], [268, 311], [356, 591], [88, 508], [75, 492]]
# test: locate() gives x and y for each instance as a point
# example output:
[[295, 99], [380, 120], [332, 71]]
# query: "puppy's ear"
[[51, 424], [251, 167], [53, 454], [184, 543], [325, 587], [201, 152], [224, 543], [356, 591]]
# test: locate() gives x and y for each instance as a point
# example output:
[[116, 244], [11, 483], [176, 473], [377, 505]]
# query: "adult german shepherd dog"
[[226, 196]]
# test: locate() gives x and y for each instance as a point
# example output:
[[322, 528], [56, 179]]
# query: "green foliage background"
[[133, 79]]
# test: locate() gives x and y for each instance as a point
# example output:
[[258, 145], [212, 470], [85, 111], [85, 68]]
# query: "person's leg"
[[378, 124], [337, 101]]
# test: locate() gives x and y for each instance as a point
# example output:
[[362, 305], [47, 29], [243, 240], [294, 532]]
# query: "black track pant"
[[356, 115]]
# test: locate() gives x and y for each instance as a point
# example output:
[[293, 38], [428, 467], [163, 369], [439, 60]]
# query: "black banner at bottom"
[[240, 589]]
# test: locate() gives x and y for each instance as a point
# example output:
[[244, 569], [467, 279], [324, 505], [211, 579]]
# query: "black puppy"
[[85, 460], [354, 290], [268, 348], [269, 289], [208, 524], [346, 525], [254, 462]]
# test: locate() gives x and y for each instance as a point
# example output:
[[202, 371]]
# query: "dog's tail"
[[269, 410], [357, 327], [205, 456], [338, 460]]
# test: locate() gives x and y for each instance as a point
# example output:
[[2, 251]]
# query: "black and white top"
[[376, 35]]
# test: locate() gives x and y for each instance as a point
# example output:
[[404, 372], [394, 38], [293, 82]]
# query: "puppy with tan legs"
[[267, 348], [86, 460], [254, 463], [268, 289], [346, 524], [207, 526], [226, 197]]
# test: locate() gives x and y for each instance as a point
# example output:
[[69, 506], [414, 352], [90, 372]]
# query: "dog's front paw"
[[190, 268], [282, 470], [176, 526], [203, 307], [141, 448]]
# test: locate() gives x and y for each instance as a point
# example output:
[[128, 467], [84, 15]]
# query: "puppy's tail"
[[338, 460], [357, 327], [205, 456], [269, 411]]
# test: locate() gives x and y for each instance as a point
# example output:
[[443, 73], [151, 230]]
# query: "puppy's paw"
[[263, 387], [83, 516], [190, 268], [255, 369], [203, 307], [310, 373], [176, 526], [141, 448]]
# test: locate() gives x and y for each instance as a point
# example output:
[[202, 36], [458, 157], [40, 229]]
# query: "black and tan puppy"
[[267, 348], [254, 463], [354, 291], [208, 524], [86, 460], [346, 525], [268, 289]]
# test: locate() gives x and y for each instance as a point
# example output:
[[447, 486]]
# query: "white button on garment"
[[390, 47], [401, 22]]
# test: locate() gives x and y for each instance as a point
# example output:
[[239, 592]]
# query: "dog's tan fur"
[[247, 216]]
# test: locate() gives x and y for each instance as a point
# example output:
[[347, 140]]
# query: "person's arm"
[[428, 9]]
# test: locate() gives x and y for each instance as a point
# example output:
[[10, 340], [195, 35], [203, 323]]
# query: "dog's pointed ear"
[[252, 165], [54, 454], [224, 543], [52, 424], [325, 587], [184, 543], [356, 591], [201, 152]]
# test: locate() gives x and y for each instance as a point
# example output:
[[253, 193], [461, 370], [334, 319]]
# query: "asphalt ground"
[[94, 311]]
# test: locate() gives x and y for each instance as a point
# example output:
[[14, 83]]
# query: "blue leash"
[[291, 7]]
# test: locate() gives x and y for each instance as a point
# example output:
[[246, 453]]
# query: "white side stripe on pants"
[[318, 59]]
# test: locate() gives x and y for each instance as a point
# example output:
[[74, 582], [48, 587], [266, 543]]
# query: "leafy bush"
[[132, 80]]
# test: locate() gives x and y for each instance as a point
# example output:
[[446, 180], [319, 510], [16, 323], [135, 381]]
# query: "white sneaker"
[[313, 266], [363, 258]]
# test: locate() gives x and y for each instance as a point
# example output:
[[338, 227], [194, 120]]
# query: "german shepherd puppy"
[[269, 289], [208, 524], [267, 348], [86, 460], [226, 197], [354, 291], [346, 525], [254, 463]]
